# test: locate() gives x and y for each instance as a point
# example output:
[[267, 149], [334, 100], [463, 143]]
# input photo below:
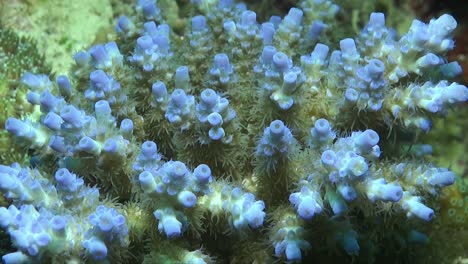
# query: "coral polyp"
[[271, 135]]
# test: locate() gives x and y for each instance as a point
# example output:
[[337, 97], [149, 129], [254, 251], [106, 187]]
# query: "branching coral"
[[256, 133]]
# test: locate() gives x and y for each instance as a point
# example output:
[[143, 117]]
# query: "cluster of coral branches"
[[267, 135]]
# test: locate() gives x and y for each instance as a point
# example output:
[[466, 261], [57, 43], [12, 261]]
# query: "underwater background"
[[220, 132]]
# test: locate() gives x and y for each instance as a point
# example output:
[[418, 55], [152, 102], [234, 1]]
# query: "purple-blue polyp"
[[451, 70], [216, 133], [52, 121], [306, 208], [148, 149], [102, 107], [229, 26], [223, 103], [147, 181], [375, 68], [57, 143], [248, 18], [316, 29], [377, 20], [41, 240], [286, 103], [179, 98], [88, 144], [268, 31], [187, 199], [102, 218], [267, 54], [367, 139], [328, 157], [182, 77], [64, 84], [99, 79], [16, 126], [33, 98], [447, 22], [108, 218], [145, 42], [15, 258], [222, 4], [99, 54], [65, 178], [159, 90], [424, 124], [33, 81], [255, 215], [112, 49], [289, 82], [236, 193], [443, 178], [149, 9], [202, 173], [357, 166], [391, 192], [179, 169], [348, 48], [168, 223], [277, 127], [111, 145], [123, 24], [126, 126], [420, 36], [71, 115], [221, 61], [198, 23], [164, 29], [150, 28], [351, 95], [47, 100], [281, 61], [96, 248], [322, 127], [429, 60], [418, 209], [215, 119], [320, 53], [275, 20], [294, 17], [347, 192], [58, 223], [209, 97], [82, 58]]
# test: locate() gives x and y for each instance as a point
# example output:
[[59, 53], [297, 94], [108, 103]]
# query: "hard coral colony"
[[157, 145]]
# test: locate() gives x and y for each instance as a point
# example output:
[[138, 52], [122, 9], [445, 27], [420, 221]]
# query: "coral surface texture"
[[206, 133]]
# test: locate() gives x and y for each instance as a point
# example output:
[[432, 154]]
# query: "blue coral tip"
[[64, 177], [159, 90], [15, 258], [198, 23], [202, 173], [96, 249], [277, 127], [209, 97], [149, 148], [126, 125], [58, 223], [187, 199]]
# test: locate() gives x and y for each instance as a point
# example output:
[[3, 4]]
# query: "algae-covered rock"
[[59, 27]]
